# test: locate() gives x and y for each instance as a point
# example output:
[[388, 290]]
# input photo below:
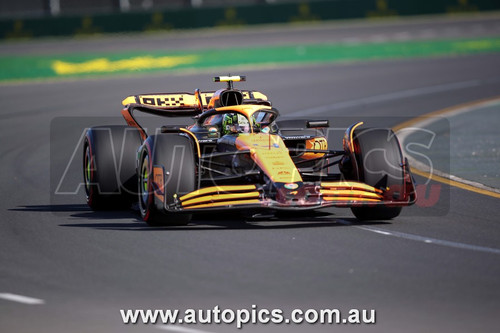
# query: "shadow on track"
[[211, 221], [52, 208]]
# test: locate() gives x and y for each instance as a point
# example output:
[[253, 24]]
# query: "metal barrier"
[[115, 16]]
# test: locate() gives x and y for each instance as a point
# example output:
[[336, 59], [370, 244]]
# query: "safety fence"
[[240, 14]]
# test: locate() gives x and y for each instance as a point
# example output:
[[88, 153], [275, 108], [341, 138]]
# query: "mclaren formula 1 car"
[[239, 155]]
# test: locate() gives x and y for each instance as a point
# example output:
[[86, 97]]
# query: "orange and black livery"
[[237, 154]]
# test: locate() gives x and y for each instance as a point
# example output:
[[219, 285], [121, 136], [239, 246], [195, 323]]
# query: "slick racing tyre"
[[379, 159], [109, 174], [166, 171]]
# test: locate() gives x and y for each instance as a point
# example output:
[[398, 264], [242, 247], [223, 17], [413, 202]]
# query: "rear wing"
[[198, 101], [177, 105], [171, 101]]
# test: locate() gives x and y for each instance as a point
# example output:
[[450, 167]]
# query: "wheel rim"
[[87, 171], [144, 179]]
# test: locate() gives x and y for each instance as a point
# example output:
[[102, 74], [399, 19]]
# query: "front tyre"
[[375, 213], [173, 155], [380, 160], [149, 213]]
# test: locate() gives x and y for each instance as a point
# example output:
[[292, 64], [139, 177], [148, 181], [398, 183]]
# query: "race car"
[[238, 155]]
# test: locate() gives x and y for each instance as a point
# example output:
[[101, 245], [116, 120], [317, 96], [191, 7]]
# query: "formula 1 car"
[[239, 155]]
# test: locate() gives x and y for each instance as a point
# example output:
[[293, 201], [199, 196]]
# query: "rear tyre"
[[379, 158], [173, 154], [109, 166]]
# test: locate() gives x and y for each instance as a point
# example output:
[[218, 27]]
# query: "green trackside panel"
[[81, 64]]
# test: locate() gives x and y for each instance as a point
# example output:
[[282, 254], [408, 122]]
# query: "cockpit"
[[235, 122]]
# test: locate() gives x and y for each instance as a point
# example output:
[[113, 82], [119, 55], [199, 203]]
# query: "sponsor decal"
[[159, 181], [291, 186], [213, 132], [177, 100], [318, 143]]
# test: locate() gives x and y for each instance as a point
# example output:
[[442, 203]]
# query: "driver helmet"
[[235, 123]]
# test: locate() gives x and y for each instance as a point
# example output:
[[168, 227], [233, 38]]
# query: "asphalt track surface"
[[433, 269]]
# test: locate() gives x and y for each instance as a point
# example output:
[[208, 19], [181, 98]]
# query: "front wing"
[[309, 196]]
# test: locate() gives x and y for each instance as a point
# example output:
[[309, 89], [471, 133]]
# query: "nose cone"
[[271, 155], [300, 195]]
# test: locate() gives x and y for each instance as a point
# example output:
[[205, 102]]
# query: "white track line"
[[428, 240], [423, 239], [387, 97], [175, 328], [21, 299]]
